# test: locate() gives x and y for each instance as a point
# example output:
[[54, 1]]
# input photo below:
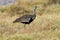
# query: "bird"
[[28, 18]]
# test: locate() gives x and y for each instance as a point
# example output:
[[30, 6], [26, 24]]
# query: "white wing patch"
[[26, 20]]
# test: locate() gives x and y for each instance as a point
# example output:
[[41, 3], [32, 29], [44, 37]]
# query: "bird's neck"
[[34, 11]]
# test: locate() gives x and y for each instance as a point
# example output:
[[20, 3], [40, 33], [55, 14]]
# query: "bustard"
[[27, 19]]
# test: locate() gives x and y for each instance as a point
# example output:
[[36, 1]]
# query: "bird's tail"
[[14, 21]]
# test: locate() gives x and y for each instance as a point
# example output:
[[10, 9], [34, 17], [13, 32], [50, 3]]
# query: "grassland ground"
[[44, 27]]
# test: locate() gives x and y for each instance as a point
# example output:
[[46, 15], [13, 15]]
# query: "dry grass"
[[44, 27]]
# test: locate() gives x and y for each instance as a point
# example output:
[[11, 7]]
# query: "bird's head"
[[35, 7]]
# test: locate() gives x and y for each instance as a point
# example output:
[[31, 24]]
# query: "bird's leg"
[[24, 26]]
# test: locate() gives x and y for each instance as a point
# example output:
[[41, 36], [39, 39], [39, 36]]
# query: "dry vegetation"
[[46, 26]]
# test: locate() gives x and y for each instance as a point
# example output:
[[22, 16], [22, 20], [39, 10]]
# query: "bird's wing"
[[26, 20]]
